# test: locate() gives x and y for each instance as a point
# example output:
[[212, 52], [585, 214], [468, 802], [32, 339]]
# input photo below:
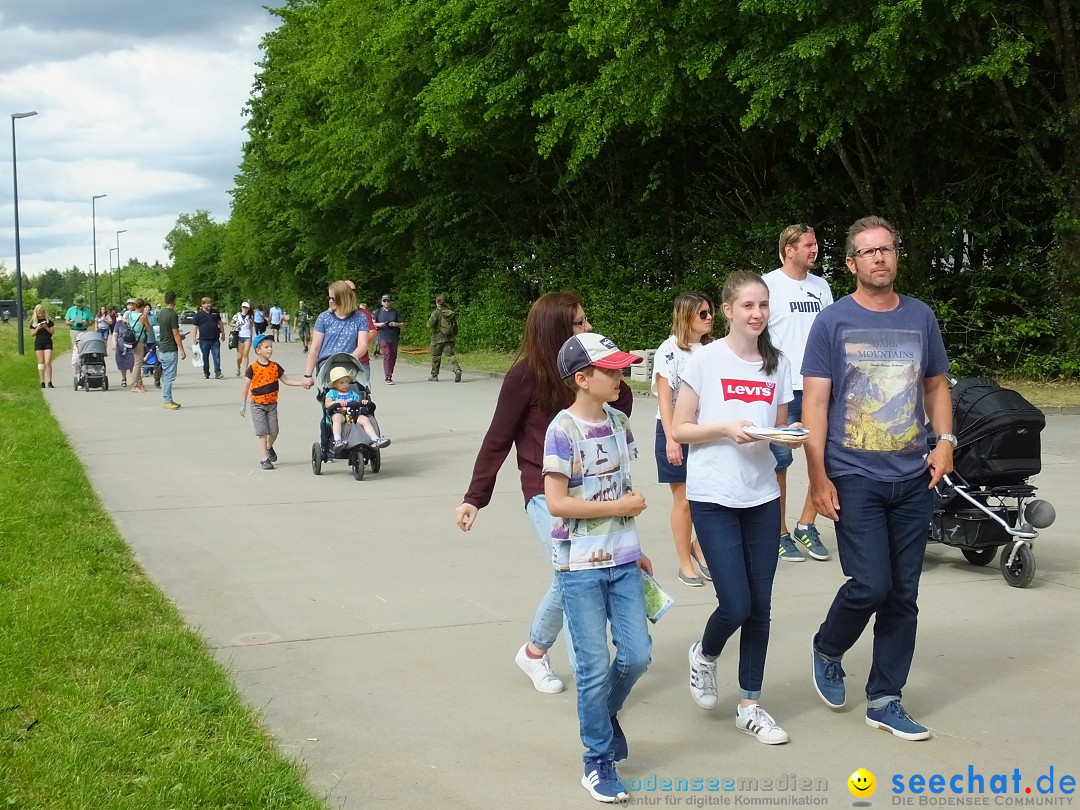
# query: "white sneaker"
[[539, 672], [702, 678], [755, 720]]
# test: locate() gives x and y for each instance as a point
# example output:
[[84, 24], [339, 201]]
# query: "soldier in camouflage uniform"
[[443, 323]]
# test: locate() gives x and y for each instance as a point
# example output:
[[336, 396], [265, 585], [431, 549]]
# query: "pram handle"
[[962, 491]]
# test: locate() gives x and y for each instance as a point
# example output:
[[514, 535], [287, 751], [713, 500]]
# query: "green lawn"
[[106, 698]]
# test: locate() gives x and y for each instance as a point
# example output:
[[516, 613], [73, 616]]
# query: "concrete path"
[[378, 641]]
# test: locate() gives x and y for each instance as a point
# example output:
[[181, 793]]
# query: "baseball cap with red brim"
[[592, 349]]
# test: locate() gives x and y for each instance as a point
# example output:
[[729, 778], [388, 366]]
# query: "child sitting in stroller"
[[345, 404]]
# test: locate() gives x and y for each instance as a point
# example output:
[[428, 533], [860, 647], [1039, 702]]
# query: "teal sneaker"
[[788, 551], [810, 538]]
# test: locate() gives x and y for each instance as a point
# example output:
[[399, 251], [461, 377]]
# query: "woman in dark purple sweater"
[[532, 393]]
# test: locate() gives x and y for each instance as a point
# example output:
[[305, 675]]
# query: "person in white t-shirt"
[[691, 324], [729, 385], [796, 296]]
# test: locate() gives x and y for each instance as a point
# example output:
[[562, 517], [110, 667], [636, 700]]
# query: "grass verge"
[[106, 698]]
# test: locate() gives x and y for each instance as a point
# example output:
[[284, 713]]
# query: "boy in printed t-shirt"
[[595, 550], [261, 383]]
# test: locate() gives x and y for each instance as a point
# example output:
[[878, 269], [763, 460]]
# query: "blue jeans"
[[208, 348], [881, 537], [170, 361], [740, 549], [794, 414], [549, 619], [591, 599]]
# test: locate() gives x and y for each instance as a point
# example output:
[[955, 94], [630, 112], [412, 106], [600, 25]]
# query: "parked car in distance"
[[187, 316]]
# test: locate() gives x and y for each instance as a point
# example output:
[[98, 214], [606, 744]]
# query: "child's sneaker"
[[271, 456], [758, 722], [702, 678], [266, 464], [893, 718], [539, 672], [380, 442], [339, 443], [602, 781]]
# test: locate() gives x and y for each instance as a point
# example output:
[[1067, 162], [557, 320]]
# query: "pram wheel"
[[376, 460], [1022, 570], [356, 460], [979, 556], [316, 458], [105, 383]]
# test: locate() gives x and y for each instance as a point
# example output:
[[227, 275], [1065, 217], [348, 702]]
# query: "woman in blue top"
[[340, 329]]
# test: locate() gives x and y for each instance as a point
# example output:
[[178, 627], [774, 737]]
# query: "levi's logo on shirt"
[[748, 390]]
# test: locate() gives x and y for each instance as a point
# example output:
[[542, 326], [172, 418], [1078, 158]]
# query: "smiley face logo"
[[862, 784]]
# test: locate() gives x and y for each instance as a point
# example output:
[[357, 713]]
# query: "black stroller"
[[91, 364], [357, 447], [987, 502]]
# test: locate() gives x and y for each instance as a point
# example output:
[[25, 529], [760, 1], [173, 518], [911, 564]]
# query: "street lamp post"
[[93, 218], [119, 289], [111, 252], [18, 254]]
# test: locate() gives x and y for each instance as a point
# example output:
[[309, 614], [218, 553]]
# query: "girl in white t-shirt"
[[691, 325], [731, 384]]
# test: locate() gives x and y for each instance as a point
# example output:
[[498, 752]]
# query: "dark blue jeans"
[[210, 348], [881, 536], [740, 550]]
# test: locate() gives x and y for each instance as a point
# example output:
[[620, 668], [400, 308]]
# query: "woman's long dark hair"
[[770, 355], [549, 325]]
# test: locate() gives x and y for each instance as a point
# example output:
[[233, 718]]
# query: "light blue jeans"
[[591, 599], [549, 619], [170, 361]]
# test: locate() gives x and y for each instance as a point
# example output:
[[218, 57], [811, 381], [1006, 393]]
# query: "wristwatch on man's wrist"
[[948, 437]]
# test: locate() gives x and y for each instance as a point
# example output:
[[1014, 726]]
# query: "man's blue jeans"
[[549, 613], [208, 348], [740, 549], [170, 361], [591, 599], [881, 536]]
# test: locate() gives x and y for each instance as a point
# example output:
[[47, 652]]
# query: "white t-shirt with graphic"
[[728, 387], [793, 307], [595, 457], [670, 363]]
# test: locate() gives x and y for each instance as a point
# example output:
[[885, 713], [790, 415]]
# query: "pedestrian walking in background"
[[210, 332], [796, 296], [275, 321], [42, 330], [243, 329], [139, 332], [285, 323], [303, 324], [444, 328], [78, 317], [123, 346], [169, 344], [101, 323], [691, 325], [389, 323]]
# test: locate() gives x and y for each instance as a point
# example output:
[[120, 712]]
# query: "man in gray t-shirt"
[[874, 370]]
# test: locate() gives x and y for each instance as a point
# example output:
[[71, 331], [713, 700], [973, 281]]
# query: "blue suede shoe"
[[892, 718]]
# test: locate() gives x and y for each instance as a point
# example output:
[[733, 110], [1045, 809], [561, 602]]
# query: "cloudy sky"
[[140, 100]]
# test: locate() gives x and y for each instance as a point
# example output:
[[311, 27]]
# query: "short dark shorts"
[[666, 472]]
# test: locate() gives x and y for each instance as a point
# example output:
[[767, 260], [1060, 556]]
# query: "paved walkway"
[[378, 641]]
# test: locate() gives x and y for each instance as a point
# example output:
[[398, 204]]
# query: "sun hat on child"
[[592, 349], [338, 372], [259, 339]]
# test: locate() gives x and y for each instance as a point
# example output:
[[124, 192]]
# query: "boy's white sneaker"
[[758, 722], [702, 678], [539, 672]]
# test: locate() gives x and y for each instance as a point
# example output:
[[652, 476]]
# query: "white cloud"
[[155, 124]]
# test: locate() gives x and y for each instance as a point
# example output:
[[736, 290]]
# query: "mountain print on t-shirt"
[[883, 370]]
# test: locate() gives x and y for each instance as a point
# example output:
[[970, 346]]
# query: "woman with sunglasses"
[[691, 327], [533, 391]]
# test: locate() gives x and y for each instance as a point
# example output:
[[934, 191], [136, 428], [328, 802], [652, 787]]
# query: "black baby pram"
[[357, 448], [91, 365], [987, 501]]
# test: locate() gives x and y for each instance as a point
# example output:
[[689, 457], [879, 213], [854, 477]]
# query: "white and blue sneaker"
[[602, 781], [893, 718]]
